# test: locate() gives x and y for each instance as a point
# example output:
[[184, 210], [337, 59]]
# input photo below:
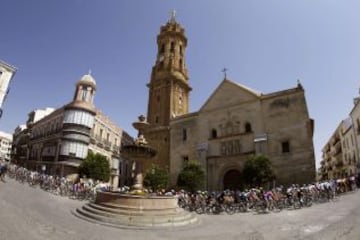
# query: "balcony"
[[98, 138], [327, 148], [107, 145], [115, 150], [338, 148], [335, 138]]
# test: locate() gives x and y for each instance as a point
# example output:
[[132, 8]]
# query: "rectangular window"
[[101, 133], [185, 160], [184, 134], [120, 167], [84, 94], [285, 147]]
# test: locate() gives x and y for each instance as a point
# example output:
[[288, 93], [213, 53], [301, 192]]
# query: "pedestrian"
[[3, 170]]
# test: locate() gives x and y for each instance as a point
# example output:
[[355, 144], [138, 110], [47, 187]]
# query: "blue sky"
[[266, 45]]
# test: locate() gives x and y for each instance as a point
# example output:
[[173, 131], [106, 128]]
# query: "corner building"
[[233, 124], [56, 141]]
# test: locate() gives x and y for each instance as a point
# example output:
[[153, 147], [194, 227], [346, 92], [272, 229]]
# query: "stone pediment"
[[228, 94]]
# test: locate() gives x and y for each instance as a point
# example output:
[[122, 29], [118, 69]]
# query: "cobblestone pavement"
[[32, 214]]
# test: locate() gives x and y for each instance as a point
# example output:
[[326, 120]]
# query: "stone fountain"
[[141, 153], [136, 209]]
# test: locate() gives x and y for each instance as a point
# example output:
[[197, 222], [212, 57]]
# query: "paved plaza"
[[32, 214]]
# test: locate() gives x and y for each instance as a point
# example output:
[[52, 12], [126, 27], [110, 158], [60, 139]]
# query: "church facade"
[[233, 124], [237, 122]]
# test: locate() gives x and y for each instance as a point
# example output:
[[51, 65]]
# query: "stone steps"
[[121, 217], [118, 209]]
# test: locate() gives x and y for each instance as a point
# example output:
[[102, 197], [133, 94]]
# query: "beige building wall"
[[348, 143], [105, 138], [332, 156], [290, 135], [326, 164], [183, 142], [340, 155], [355, 116]]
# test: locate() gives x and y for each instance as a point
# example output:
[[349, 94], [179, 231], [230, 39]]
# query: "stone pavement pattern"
[[32, 214]]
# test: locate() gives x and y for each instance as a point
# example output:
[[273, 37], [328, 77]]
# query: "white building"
[[5, 146], [7, 72]]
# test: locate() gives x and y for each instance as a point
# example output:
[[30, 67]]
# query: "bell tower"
[[168, 87]]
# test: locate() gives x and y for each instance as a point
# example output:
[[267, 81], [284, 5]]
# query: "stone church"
[[233, 124]]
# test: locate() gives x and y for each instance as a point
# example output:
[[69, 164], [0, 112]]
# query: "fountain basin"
[[139, 204], [135, 211]]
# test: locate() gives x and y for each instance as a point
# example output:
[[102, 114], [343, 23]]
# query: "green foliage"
[[258, 170], [156, 178], [95, 166], [192, 177]]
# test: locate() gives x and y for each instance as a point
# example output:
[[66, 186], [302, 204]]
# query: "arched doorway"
[[232, 180]]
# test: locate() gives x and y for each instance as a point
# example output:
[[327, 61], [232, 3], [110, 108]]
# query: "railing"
[[107, 144]]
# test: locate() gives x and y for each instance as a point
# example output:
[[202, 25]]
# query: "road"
[[32, 214]]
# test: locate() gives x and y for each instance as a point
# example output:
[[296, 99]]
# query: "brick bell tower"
[[168, 88]]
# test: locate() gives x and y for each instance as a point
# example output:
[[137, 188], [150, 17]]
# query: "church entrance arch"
[[232, 180]]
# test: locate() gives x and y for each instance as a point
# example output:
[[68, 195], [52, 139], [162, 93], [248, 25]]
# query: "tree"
[[192, 177], [156, 178], [95, 166], [258, 170]]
